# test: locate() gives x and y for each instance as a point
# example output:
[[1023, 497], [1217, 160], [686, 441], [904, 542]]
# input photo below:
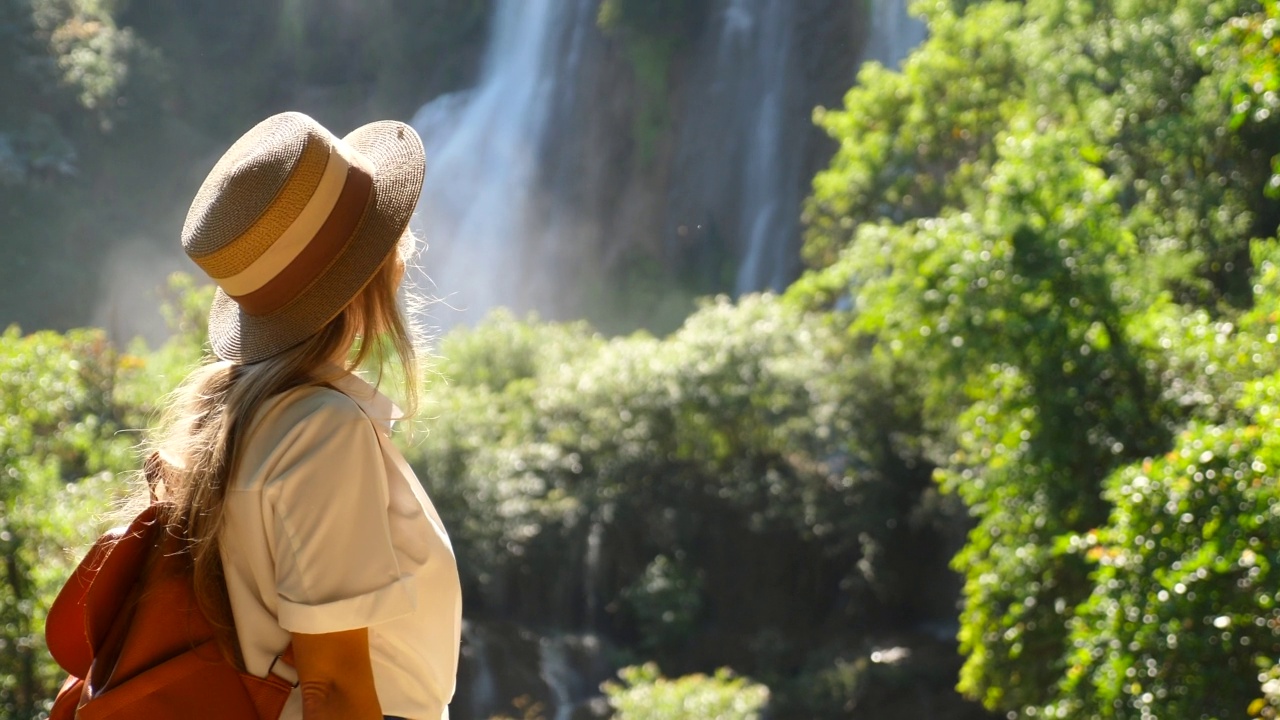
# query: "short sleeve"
[[336, 567]]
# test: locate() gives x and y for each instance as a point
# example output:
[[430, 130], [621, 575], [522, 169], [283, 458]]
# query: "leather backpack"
[[128, 630]]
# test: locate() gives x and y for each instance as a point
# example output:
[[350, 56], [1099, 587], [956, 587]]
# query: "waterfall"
[[751, 133], [481, 208], [483, 691], [591, 573], [894, 33], [558, 675], [755, 62], [536, 184]]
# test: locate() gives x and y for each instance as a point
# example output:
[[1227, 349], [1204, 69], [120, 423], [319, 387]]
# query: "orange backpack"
[[127, 628]]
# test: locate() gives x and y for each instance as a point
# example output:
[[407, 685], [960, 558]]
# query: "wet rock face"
[[734, 154]]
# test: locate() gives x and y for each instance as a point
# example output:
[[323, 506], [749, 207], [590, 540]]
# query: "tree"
[[1036, 295]]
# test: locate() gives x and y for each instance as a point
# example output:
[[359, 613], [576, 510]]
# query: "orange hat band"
[[299, 235], [317, 255]]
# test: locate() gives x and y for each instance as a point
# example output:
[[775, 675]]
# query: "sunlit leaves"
[[59, 456], [915, 142], [1064, 298], [1247, 53], [644, 694], [751, 432], [1184, 580]]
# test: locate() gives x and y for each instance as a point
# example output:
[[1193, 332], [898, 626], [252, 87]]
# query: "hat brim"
[[396, 153]]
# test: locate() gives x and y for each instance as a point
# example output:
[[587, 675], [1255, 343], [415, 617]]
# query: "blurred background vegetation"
[[1007, 447]]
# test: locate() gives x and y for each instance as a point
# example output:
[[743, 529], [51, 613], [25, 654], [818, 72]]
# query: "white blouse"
[[327, 529]]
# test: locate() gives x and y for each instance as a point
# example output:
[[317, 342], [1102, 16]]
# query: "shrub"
[[645, 695], [636, 485], [1063, 272], [61, 459]]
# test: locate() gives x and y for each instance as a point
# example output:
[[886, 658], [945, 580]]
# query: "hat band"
[[303, 227], [296, 199], [319, 252]]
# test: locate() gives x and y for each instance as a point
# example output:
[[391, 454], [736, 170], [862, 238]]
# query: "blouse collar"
[[377, 406]]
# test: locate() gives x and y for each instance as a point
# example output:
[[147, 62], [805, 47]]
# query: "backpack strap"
[[80, 620], [66, 634], [287, 657]]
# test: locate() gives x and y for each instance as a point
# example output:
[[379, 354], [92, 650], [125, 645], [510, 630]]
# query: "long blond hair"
[[205, 422]]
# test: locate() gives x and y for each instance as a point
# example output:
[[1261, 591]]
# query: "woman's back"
[[326, 529]]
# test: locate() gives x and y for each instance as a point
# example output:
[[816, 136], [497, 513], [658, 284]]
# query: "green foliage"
[[645, 695], [1151, 99], [1268, 705], [60, 459], [1247, 53], [666, 599], [925, 134], [1183, 603], [1139, 84], [62, 62], [647, 470], [503, 350], [749, 433], [1018, 300], [72, 406], [1182, 615], [92, 52], [1061, 263]]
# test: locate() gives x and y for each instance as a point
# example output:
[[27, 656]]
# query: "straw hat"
[[293, 222]]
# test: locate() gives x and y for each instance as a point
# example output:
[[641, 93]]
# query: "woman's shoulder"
[[306, 405], [302, 424]]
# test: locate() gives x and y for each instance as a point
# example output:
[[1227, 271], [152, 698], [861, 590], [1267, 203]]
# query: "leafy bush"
[[925, 135], [72, 407], [61, 458], [1268, 705], [1244, 53], [645, 695], [1183, 604], [638, 485], [666, 599], [1182, 615], [1064, 272]]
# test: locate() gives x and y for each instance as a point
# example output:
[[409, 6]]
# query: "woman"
[[314, 548]]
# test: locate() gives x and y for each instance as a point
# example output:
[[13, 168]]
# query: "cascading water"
[[741, 166], [558, 675], [481, 207], [483, 690], [755, 62], [741, 142], [530, 179]]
